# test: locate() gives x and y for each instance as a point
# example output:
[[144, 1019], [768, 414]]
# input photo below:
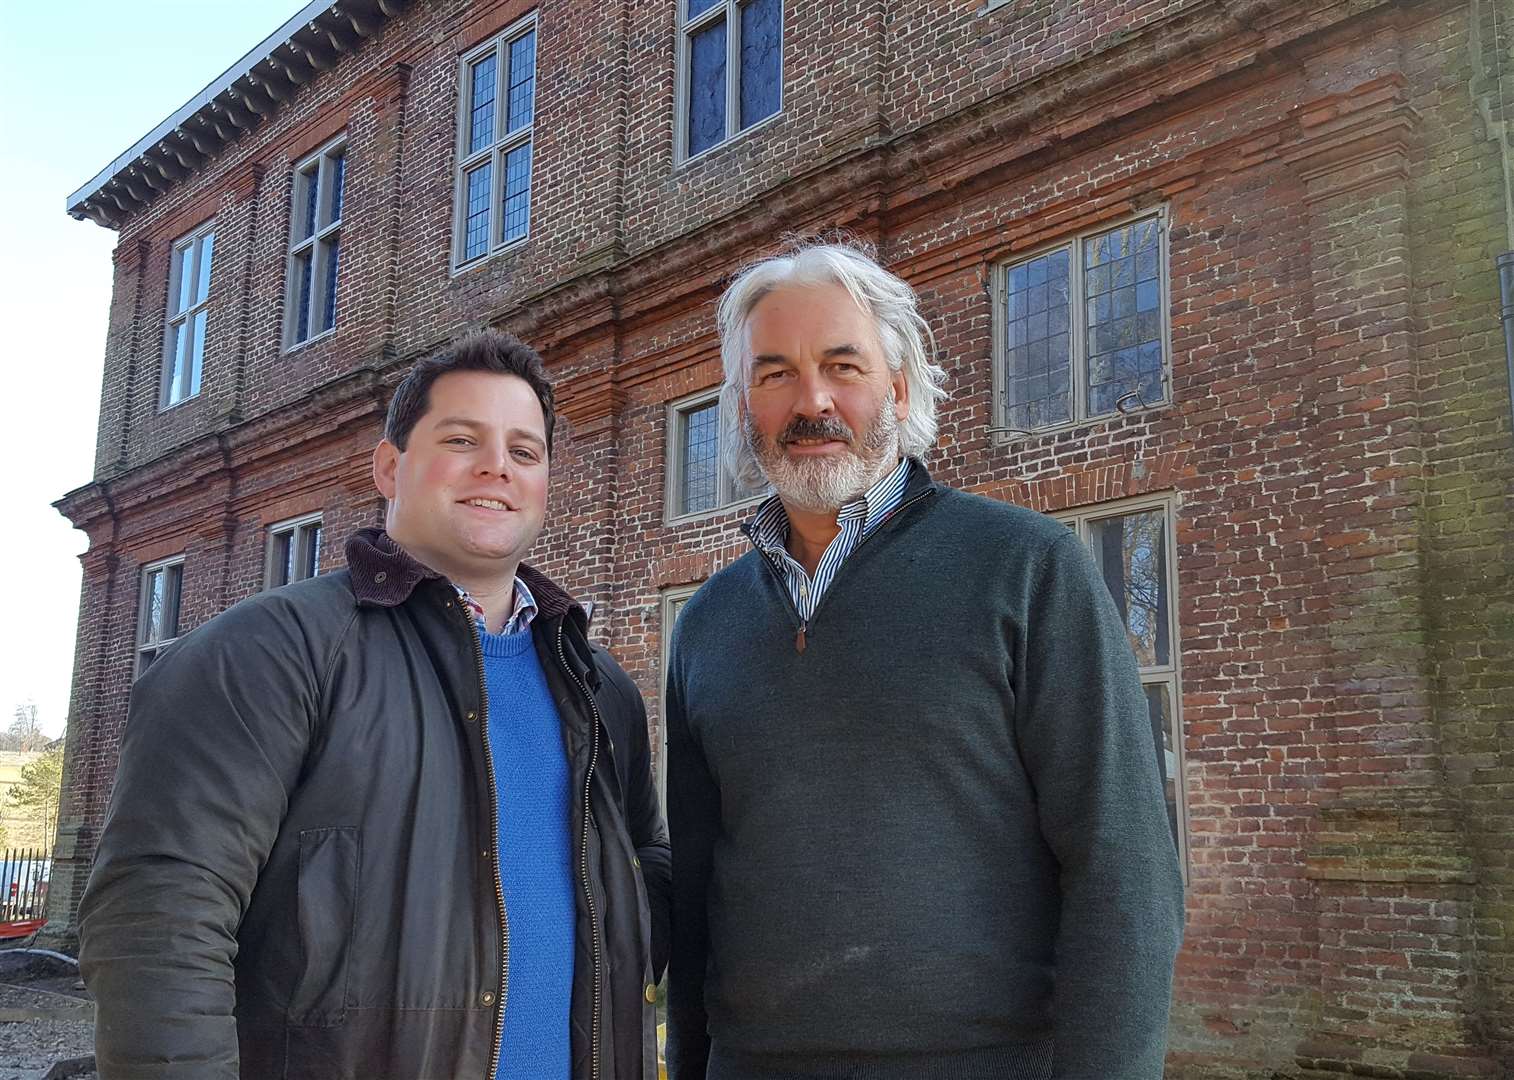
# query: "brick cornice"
[[590, 401], [129, 256], [1354, 139]]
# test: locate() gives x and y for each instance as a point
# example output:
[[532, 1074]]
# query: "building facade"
[[1213, 281]]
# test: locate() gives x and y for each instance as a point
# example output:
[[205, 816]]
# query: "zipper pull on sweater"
[[799, 638]]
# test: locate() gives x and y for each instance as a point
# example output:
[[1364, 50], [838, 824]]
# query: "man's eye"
[[524, 454], [459, 440]]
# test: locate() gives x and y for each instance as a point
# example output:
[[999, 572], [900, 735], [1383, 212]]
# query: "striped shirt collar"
[[858, 519], [520, 615]]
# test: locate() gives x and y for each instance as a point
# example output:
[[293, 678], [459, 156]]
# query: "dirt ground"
[[46, 1019]]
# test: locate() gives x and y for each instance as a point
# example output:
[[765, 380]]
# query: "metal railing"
[[24, 875]]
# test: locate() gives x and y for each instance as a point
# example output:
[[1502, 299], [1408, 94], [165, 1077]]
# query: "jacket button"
[[635, 862], [470, 717], [380, 577], [487, 997], [651, 994]]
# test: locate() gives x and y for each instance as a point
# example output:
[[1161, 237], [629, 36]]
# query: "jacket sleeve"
[[1087, 741], [215, 736], [649, 834], [694, 821]]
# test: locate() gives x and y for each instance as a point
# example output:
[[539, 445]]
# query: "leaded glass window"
[[294, 551], [1083, 329], [315, 244], [1132, 548], [158, 609], [730, 69], [696, 480], [188, 301], [498, 88]]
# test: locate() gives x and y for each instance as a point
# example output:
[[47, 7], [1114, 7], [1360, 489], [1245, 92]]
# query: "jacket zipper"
[[499, 890], [783, 581], [583, 854]]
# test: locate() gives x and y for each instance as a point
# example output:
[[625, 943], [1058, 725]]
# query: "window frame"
[[1170, 675], [142, 644], [676, 414], [1077, 328], [497, 149], [669, 601], [300, 528], [195, 240], [317, 243], [686, 29]]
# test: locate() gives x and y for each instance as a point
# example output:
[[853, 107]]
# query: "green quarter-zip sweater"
[[933, 843]]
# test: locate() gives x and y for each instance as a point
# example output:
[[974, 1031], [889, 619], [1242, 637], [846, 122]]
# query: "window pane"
[[328, 298], [336, 173], [197, 356], [707, 88], [185, 269], [306, 193], [521, 99], [481, 119], [517, 214], [302, 272], [152, 616], [168, 623], [207, 246], [761, 59], [1159, 708], [1037, 349], [281, 564], [701, 473], [312, 562], [177, 338], [476, 212], [1122, 291], [1131, 551], [697, 7]]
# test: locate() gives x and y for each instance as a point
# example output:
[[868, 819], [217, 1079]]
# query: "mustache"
[[802, 427]]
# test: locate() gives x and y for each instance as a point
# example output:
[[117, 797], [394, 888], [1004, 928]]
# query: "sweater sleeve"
[[1086, 738], [215, 736], [694, 822]]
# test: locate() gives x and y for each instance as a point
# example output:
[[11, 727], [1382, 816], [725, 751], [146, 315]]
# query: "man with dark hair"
[[917, 815], [397, 820]]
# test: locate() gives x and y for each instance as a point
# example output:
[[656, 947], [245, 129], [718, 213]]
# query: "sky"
[[81, 85]]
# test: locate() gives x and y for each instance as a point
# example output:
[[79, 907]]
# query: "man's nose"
[[494, 461], [814, 396]]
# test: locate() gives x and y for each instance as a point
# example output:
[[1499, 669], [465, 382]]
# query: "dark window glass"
[[1131, 551], [338, 173], [701, 473], [311, 183], [312, 550], [302, 271], [699, 7], [481, 118], [197, 356], [476, 213], [522, 82], [1122, 290], [1038, 345], [1159, 709], [707, 88], [517, 196], [328, 300], [761, 59]]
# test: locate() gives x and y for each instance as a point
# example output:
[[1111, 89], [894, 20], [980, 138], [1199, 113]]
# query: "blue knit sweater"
[[535, 860]]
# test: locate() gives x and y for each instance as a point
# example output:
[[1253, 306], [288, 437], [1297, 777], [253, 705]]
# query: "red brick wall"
[[1337, 446]]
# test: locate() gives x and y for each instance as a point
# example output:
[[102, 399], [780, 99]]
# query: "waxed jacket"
[[297, 876]]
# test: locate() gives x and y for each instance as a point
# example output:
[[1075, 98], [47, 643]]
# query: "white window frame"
[[670, 602], [1170, 674], [725, 499], [169, 394], [1078, 329], [153, 646], [497, 150], [730, 10], [318, 244], [299, 531]]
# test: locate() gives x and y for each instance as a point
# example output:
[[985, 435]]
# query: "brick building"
[[1214, 283]]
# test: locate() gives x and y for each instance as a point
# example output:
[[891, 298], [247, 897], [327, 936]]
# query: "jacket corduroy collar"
[[384, 574]]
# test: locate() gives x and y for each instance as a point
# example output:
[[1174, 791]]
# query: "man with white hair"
[[917, 818]]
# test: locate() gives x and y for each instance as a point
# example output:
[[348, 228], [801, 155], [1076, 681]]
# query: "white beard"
[[819, 485]]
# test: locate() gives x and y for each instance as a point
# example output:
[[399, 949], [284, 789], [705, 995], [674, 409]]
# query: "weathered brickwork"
[[1336, 447]]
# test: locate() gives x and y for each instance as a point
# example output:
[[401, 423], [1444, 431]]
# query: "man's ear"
[[386, 463], [901, 394]]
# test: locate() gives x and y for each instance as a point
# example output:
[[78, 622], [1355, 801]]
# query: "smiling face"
[[822, 408], [468, 493]]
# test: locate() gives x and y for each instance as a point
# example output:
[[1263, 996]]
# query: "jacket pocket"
[[327, 906]]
